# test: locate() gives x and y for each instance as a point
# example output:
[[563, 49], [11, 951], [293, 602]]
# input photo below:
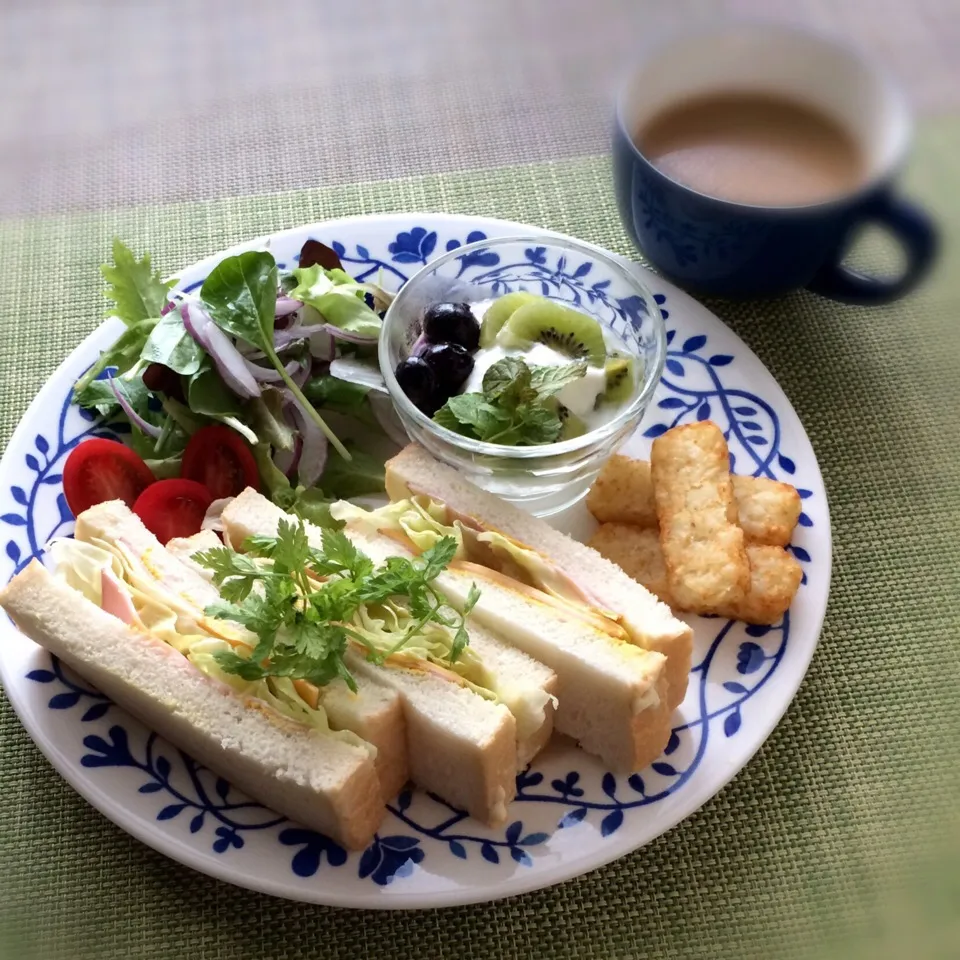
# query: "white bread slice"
[[315, 779], [649, 623], [522, 672], [252, 514], [513, 667], [461, 747], [115, 523], [372, 713], [611, 694], [183, 548]]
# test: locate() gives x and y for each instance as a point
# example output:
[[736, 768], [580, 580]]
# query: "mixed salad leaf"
[[252, 350]]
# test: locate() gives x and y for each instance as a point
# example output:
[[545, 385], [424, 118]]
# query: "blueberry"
[[417, 381], [450, 363], [452, 323]]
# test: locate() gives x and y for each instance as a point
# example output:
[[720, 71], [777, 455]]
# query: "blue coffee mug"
[[738, 250]]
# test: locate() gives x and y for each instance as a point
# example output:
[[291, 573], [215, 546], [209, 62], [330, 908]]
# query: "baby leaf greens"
[[517, 405], [307, 606], [241, 295], [139, 296], [238, 352]]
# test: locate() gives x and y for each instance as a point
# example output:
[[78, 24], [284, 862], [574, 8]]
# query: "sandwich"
[[471, 724], [505, 538], [611, 695], [369, 712], [280, 753]]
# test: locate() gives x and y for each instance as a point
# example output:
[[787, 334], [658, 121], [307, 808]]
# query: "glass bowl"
[[548, 478]]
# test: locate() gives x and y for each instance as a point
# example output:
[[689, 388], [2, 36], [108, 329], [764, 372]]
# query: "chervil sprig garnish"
[[303, 603]]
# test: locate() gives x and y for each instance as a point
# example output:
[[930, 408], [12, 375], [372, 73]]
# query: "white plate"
[[570, 815]]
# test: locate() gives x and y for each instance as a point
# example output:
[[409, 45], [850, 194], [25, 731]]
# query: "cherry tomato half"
[[173, 508], [98, 470], [219, 458]]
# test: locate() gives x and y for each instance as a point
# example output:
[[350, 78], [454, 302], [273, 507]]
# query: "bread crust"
[[205, 718], [649, 623]]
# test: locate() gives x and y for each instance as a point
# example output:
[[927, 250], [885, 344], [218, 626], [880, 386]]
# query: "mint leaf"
[[538, 424], [465, 408], [511, 436], [548, 381], [446, 418], [137, 291], [510, 374]]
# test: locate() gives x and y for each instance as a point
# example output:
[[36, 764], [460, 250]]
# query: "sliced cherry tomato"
[[219, 458], [173, 508], [98, 470]]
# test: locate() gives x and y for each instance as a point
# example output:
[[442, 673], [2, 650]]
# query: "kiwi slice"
[[562, 328], [620, 379], [499, 312], [572, 427]]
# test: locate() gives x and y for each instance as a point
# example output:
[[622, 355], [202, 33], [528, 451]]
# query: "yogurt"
[[579, 397]]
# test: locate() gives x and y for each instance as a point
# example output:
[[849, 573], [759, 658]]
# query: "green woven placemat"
[[825, 839]]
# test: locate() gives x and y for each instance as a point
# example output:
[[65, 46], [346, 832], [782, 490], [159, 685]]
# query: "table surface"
[[184, 127]]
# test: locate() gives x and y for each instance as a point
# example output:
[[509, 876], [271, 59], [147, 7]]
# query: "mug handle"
[[918, 237]]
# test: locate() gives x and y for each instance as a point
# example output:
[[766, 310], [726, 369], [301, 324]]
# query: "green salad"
[[280, 362]]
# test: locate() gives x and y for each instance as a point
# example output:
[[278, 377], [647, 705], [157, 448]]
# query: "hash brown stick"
[[767, 510], [703, 547], [774, 574]]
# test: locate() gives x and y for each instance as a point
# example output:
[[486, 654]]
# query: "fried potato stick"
[[703, 546], [774, 574], [767, 510]]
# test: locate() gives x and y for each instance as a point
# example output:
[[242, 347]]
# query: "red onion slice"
[[419, 345], [322, 345], [286, 306], [229, 361], [294, 334], [364, 339], [148, 428], [287, 461], [268, 374], [213, 519], [314, 448]]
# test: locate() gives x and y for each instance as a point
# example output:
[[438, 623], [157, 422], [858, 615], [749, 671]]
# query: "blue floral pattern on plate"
[[561, 794]]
